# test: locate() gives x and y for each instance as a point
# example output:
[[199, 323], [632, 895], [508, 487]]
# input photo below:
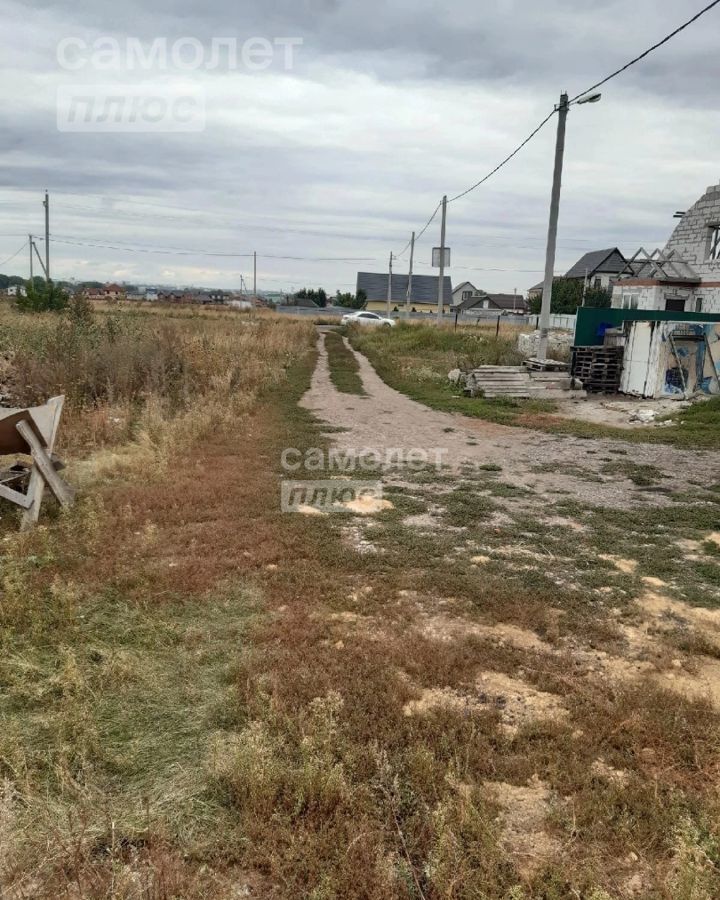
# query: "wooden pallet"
[[599, 368]]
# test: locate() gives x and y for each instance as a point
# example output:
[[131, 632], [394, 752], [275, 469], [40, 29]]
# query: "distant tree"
[[567, 295], [15, 279], [351, 301], [43, 297], [317, 296], [600, 298]]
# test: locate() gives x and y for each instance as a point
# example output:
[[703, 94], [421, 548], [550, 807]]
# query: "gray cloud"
[[390, 104]]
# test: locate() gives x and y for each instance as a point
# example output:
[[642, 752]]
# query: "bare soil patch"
[[388, 420]]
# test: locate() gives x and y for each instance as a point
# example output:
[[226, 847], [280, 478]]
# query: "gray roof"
[[496, 301], [508, 301], [424, 287], [610, 260], [469, 302]]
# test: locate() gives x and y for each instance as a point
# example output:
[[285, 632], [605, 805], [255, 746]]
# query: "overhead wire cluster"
[[572, 101]]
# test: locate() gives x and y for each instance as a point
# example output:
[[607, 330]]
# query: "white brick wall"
[[690, 238], [654, 297]]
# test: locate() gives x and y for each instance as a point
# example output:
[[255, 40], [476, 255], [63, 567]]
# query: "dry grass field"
[[459, 696]]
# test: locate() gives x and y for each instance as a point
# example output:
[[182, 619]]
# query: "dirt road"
[[544, 463]]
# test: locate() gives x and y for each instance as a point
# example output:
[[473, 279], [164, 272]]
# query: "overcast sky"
[[387, 105]]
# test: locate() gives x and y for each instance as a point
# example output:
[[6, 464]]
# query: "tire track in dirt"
[[387, 420]]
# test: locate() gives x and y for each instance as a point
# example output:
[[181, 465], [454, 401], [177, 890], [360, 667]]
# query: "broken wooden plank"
[[36, 488], [16, 497], [61, 489]]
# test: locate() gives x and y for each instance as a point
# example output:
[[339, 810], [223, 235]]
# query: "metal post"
[[441, 277], [408, 296], [562, 109], [30, 246], [46, 204], [389, 287], [254, 275]]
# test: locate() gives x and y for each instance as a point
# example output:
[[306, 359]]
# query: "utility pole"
[[408, 296], [30, 247], [441, 277], [46, 204], [562, 109], [389, 289], [255, 274]]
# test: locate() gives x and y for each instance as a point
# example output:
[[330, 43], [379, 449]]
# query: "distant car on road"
[[363, 317]]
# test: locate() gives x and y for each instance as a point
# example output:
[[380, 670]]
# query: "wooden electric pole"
[[46, 204], [408, 296], [389, 288], [441, 278]]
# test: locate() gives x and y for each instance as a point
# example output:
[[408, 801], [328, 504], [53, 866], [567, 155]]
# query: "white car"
[[363, 317]]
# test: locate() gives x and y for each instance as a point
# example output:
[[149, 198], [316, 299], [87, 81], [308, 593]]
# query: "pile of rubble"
[[559, 343]]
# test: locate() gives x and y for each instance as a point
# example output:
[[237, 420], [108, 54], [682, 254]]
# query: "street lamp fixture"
[[591, 98]]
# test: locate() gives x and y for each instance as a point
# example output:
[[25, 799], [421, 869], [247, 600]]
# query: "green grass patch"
[[416, 359], [344, 368]]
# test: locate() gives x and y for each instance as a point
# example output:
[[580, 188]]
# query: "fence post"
[[497, 327]]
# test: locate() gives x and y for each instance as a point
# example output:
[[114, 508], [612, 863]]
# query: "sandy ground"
[[616, 410], [386, 420]]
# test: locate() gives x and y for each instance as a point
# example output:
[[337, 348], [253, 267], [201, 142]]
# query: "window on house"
[[714, 242], [598, 282], [674, 304], [629, 301], [466, 295], [698, 304]]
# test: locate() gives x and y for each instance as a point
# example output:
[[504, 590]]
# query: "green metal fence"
[[592, 323]]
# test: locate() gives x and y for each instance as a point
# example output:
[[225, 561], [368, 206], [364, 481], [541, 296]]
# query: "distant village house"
[[424, 296]]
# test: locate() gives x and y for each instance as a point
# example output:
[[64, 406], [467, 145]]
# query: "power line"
[[508, 158], [149, 249], [177, 252], [486, 177], [10, 258], [648, 51], [421, 232]]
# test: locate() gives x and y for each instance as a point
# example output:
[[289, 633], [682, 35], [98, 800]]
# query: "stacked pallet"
[[599, 368], [519, 383]]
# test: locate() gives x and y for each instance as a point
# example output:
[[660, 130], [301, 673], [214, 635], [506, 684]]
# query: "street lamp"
[[562, 109]]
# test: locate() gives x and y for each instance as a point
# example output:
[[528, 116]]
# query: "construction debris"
[[32, 431], [559, 343], [521, 383]]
